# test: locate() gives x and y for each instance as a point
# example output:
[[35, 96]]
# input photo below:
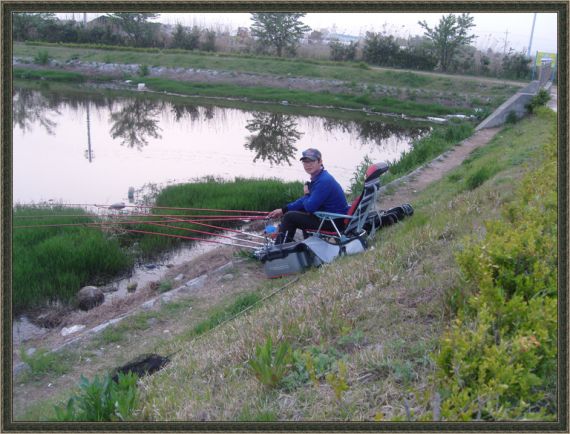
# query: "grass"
[[429, 147], [378, 80], [381, 313], [51, 264], [211, 193], [394, 296]]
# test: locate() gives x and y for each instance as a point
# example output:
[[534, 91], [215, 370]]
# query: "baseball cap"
[[311, 154]]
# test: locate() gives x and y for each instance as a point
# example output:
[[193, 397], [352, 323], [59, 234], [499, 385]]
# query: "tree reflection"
[[375, 131], [274, 137], [181, 111], [136, 121], [30, 108]]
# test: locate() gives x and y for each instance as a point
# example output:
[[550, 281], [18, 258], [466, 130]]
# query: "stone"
[[113, 287], [73, 329], [89, 297]]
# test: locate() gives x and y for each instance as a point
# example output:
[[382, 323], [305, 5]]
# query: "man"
[[323, 193]]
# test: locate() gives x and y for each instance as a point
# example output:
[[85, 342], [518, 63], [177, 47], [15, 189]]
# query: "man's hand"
[[276, 213]]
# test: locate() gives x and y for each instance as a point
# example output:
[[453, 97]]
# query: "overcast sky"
[[494, 30]]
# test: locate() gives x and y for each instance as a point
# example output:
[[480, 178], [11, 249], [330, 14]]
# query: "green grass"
[[427, 148], [211, 193], [53, 263], [51, 75], [261, 94], [326, 70], [223, 314], [393, 302]]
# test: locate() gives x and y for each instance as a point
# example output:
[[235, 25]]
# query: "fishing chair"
[[362, 218]]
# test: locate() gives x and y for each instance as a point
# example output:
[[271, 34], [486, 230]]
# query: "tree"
[[281, 31], [450, 34], [343, 52], [136, 26], [26, 26], [380, 49]]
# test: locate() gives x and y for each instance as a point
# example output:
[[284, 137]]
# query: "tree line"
[[446, 47]]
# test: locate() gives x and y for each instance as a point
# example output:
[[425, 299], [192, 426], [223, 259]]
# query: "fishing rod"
[[159, 223], [119, 206], [191, 238], [201, 232]]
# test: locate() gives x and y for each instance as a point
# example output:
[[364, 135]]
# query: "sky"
[[497, 31]]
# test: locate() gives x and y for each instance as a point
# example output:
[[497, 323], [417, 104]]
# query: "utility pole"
[[531, 35], [506, 41]]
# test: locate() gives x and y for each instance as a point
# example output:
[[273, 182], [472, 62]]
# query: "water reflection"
[[136, 121], [274, 137], [182, 111], [92, 139], [375, 131], [30, 108]]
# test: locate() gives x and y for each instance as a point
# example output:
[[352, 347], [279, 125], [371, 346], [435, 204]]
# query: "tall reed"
[[53, 263]]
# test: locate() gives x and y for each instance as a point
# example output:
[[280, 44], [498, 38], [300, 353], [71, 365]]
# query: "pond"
[[93, 149]]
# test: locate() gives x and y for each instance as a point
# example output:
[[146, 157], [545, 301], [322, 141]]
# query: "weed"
[[143, 70], [338, 380], [42, 57], [358, 176], [101, 400], [478, 178], [43, 362], [164, 286], [219, 316], [270, 365]]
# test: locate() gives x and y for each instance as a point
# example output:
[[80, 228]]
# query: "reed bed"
[[71, 248], [51, 263]]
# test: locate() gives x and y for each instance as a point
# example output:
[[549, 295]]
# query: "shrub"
[[101, 400], [498, 359], [540, 99]]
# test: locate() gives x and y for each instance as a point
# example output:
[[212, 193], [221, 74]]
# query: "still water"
[[92, 149]]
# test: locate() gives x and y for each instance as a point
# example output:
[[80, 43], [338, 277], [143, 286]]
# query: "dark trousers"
[[294, 220]]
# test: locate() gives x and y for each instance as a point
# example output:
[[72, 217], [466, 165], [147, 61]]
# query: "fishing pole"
[[190, 238], [121, 205]]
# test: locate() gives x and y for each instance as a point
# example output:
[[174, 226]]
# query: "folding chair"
[[362, 218]]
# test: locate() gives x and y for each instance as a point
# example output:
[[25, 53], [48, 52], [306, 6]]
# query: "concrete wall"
[[516, 103]]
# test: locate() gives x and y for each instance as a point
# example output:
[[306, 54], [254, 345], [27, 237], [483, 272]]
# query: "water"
[[88, 150], [74, 149]]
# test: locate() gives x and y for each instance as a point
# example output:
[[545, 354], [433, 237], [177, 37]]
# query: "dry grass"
[[393, 295]]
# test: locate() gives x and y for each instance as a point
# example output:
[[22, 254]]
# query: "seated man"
[[323, 193]]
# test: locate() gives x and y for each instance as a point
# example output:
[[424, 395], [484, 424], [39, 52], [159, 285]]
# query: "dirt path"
[[405, 189]]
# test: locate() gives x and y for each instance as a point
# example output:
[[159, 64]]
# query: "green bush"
[[539, 100], [101, 400], [143, 70], [498, 361]]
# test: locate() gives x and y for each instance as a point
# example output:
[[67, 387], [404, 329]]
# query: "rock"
[[113, 287], [89, 297], [228, 276], [73, 329], [179, 277], [132, 287]]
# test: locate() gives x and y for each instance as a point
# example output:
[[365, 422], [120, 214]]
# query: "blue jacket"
[[325, 194]]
